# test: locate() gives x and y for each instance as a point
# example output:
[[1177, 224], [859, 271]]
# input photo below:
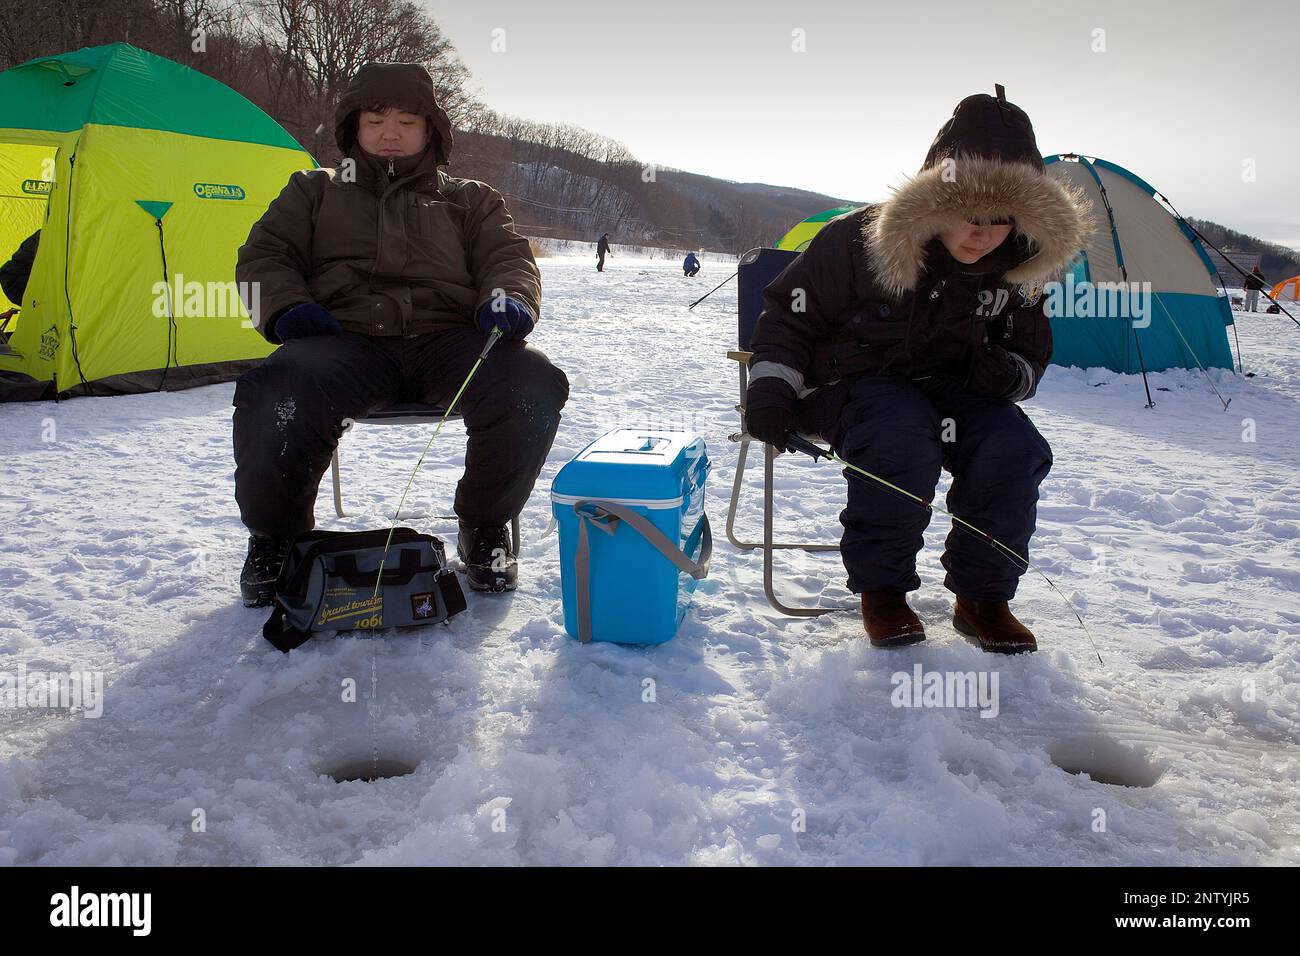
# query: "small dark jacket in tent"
[[15, 273]]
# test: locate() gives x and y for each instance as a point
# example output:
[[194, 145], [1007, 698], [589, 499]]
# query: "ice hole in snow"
[[370, 769], [1105, 760]]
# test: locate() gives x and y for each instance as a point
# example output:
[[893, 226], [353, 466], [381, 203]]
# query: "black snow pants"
[[905, 432], [291, 410]]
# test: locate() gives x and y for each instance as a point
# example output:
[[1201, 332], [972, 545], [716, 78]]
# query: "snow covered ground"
[[771, 740]]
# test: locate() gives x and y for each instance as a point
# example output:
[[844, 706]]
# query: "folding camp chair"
[[5, 319], [757, 269], [407, 413]]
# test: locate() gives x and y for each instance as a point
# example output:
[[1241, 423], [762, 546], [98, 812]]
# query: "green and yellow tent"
[[144, 178], [800, 234]]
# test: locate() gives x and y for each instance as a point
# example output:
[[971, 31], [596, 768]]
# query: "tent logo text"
[[37, 187], [49, 343], [1100, 300], [218, 191]]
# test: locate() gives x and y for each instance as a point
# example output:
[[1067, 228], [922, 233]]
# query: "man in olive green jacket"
[[382, 279]]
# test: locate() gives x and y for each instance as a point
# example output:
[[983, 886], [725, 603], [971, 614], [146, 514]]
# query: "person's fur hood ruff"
[[984, 166]]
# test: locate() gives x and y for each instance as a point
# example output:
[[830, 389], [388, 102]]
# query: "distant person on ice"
[[1252, 284], [691, 264], [383, 287], [602, 250], [926, 313]]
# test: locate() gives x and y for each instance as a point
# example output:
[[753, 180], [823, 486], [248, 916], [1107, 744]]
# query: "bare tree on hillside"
[[311, 48], [32, 28], [752, 230]]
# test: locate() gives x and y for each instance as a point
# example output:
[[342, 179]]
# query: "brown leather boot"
[[890, 622], [992, 626]]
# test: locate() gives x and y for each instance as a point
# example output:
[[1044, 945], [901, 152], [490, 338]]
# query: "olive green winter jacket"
[[390, 247]]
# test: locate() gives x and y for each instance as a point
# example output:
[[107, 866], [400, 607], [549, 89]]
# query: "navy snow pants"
[[905, 432]]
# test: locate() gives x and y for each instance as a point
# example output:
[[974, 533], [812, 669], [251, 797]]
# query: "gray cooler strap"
[[606, 518]]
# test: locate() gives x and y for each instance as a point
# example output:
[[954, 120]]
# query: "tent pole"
[[1142, 365], [1123, 270], [171, 314], [67, 296]]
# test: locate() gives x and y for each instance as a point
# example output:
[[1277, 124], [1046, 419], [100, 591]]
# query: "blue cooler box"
[[634, 539]]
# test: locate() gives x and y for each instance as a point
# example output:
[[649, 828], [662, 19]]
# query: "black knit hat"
[[986, 126]]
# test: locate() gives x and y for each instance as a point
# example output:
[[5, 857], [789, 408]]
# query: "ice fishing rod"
[[491, 341], [713, 290], [795, 443]]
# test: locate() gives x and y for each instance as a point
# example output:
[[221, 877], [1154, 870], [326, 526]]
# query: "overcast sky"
[[1183, 93]]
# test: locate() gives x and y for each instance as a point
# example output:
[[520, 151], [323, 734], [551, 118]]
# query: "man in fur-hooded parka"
[[905, 335]]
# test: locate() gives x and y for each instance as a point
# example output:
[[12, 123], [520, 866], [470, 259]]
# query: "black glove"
[[997, 373], [769, 411], [303, 320], [512, 318]]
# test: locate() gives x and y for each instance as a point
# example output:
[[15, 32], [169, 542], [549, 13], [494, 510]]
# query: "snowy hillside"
[[1178, 540]]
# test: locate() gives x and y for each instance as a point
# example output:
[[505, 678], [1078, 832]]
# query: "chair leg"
[[735, 498], [338, 491], [769, 548], [415, 516], [745, 441], [743, 437]]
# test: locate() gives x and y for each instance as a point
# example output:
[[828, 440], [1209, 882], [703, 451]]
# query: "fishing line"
[[492, 340], [800, 444]]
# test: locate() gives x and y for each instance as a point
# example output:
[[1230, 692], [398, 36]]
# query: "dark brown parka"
[[390, 247]]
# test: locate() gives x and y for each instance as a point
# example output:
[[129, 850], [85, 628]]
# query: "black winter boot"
[[488, 556], [262, 569]]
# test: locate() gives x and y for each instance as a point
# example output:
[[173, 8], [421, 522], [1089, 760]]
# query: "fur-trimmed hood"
[[984, 166]]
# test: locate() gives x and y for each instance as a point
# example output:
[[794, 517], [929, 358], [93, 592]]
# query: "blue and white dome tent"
[[1140, 240]]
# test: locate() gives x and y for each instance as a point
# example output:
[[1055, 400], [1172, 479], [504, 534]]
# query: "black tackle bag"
[[328, 584]]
